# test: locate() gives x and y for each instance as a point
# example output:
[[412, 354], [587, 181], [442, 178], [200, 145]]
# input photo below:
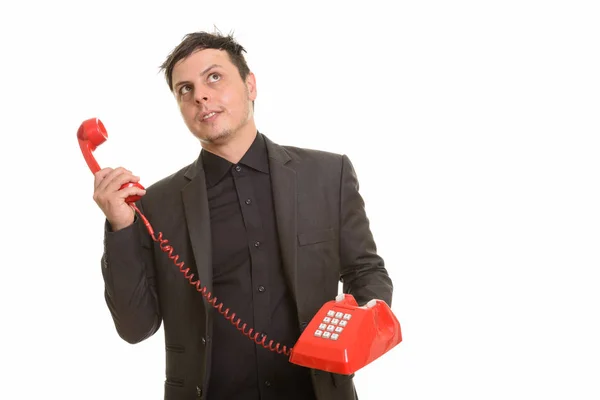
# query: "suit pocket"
[[312, 237], [174, 382], [174, 368], [175, 348]]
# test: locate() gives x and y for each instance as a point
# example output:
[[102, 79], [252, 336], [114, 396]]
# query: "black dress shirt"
[[248, 278]]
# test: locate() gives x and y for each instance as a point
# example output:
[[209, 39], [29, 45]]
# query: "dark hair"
[[204, 40]]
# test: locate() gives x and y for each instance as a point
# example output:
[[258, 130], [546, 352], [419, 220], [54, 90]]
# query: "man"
[[269, 230]]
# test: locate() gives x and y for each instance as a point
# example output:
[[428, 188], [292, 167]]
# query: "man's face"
[[213, 99]]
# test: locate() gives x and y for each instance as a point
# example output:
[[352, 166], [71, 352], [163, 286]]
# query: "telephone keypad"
[[333, 325]]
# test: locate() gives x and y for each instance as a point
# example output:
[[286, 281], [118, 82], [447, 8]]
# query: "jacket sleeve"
[[363, 271], [128, 271]]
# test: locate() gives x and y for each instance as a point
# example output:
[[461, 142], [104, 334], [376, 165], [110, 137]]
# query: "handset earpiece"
[[93, 131]]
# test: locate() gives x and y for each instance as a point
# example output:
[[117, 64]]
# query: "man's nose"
[[201, 98]]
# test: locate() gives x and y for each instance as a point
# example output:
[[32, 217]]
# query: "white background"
[[473, 127]]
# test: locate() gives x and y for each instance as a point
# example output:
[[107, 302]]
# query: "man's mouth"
[[209, 116]]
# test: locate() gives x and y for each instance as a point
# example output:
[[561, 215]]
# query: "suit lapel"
[[195, 203], [283, 179]]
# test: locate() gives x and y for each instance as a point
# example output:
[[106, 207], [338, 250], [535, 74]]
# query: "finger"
[[130, 191], [100, 175], [105, 182], [117, 175], [118, 181], [113, 172]]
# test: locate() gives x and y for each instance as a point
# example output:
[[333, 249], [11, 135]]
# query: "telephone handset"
[[90, 135], [342, 337]]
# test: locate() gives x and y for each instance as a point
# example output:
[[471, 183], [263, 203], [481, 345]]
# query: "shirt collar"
[[256, 157]]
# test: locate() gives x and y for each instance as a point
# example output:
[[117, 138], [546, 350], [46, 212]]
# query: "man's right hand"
[[111, 200]]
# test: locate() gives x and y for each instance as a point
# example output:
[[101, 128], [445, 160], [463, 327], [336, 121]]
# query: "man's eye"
[[214, 77], [184, 89]]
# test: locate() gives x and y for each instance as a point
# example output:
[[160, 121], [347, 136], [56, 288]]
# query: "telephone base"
[[343, 337]]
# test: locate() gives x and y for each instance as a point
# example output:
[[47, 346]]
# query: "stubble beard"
[[219, 137], [228, 133]]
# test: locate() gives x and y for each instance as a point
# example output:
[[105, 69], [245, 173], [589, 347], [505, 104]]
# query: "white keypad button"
[[330, 328], [327, 319], [339, 329], [343, 323], [335, 321], [326, 335], [322, 327], [339, 315], [347, 316], [318, 333], [330, 313], [334, 336]]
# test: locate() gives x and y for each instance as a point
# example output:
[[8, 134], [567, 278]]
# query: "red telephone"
[[341, 338], [90, 135]]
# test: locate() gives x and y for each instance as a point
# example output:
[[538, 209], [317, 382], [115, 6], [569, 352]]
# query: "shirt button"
[[238, 168], [267, 383], [256, 244], [248, 201], [261, 288]]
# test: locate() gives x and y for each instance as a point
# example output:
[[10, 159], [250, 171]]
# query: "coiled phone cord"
[[167, 248]]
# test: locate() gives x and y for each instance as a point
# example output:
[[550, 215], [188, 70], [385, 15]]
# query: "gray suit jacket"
[[325, 238]]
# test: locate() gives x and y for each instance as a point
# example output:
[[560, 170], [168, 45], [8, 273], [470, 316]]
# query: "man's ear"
[[251, 86]]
